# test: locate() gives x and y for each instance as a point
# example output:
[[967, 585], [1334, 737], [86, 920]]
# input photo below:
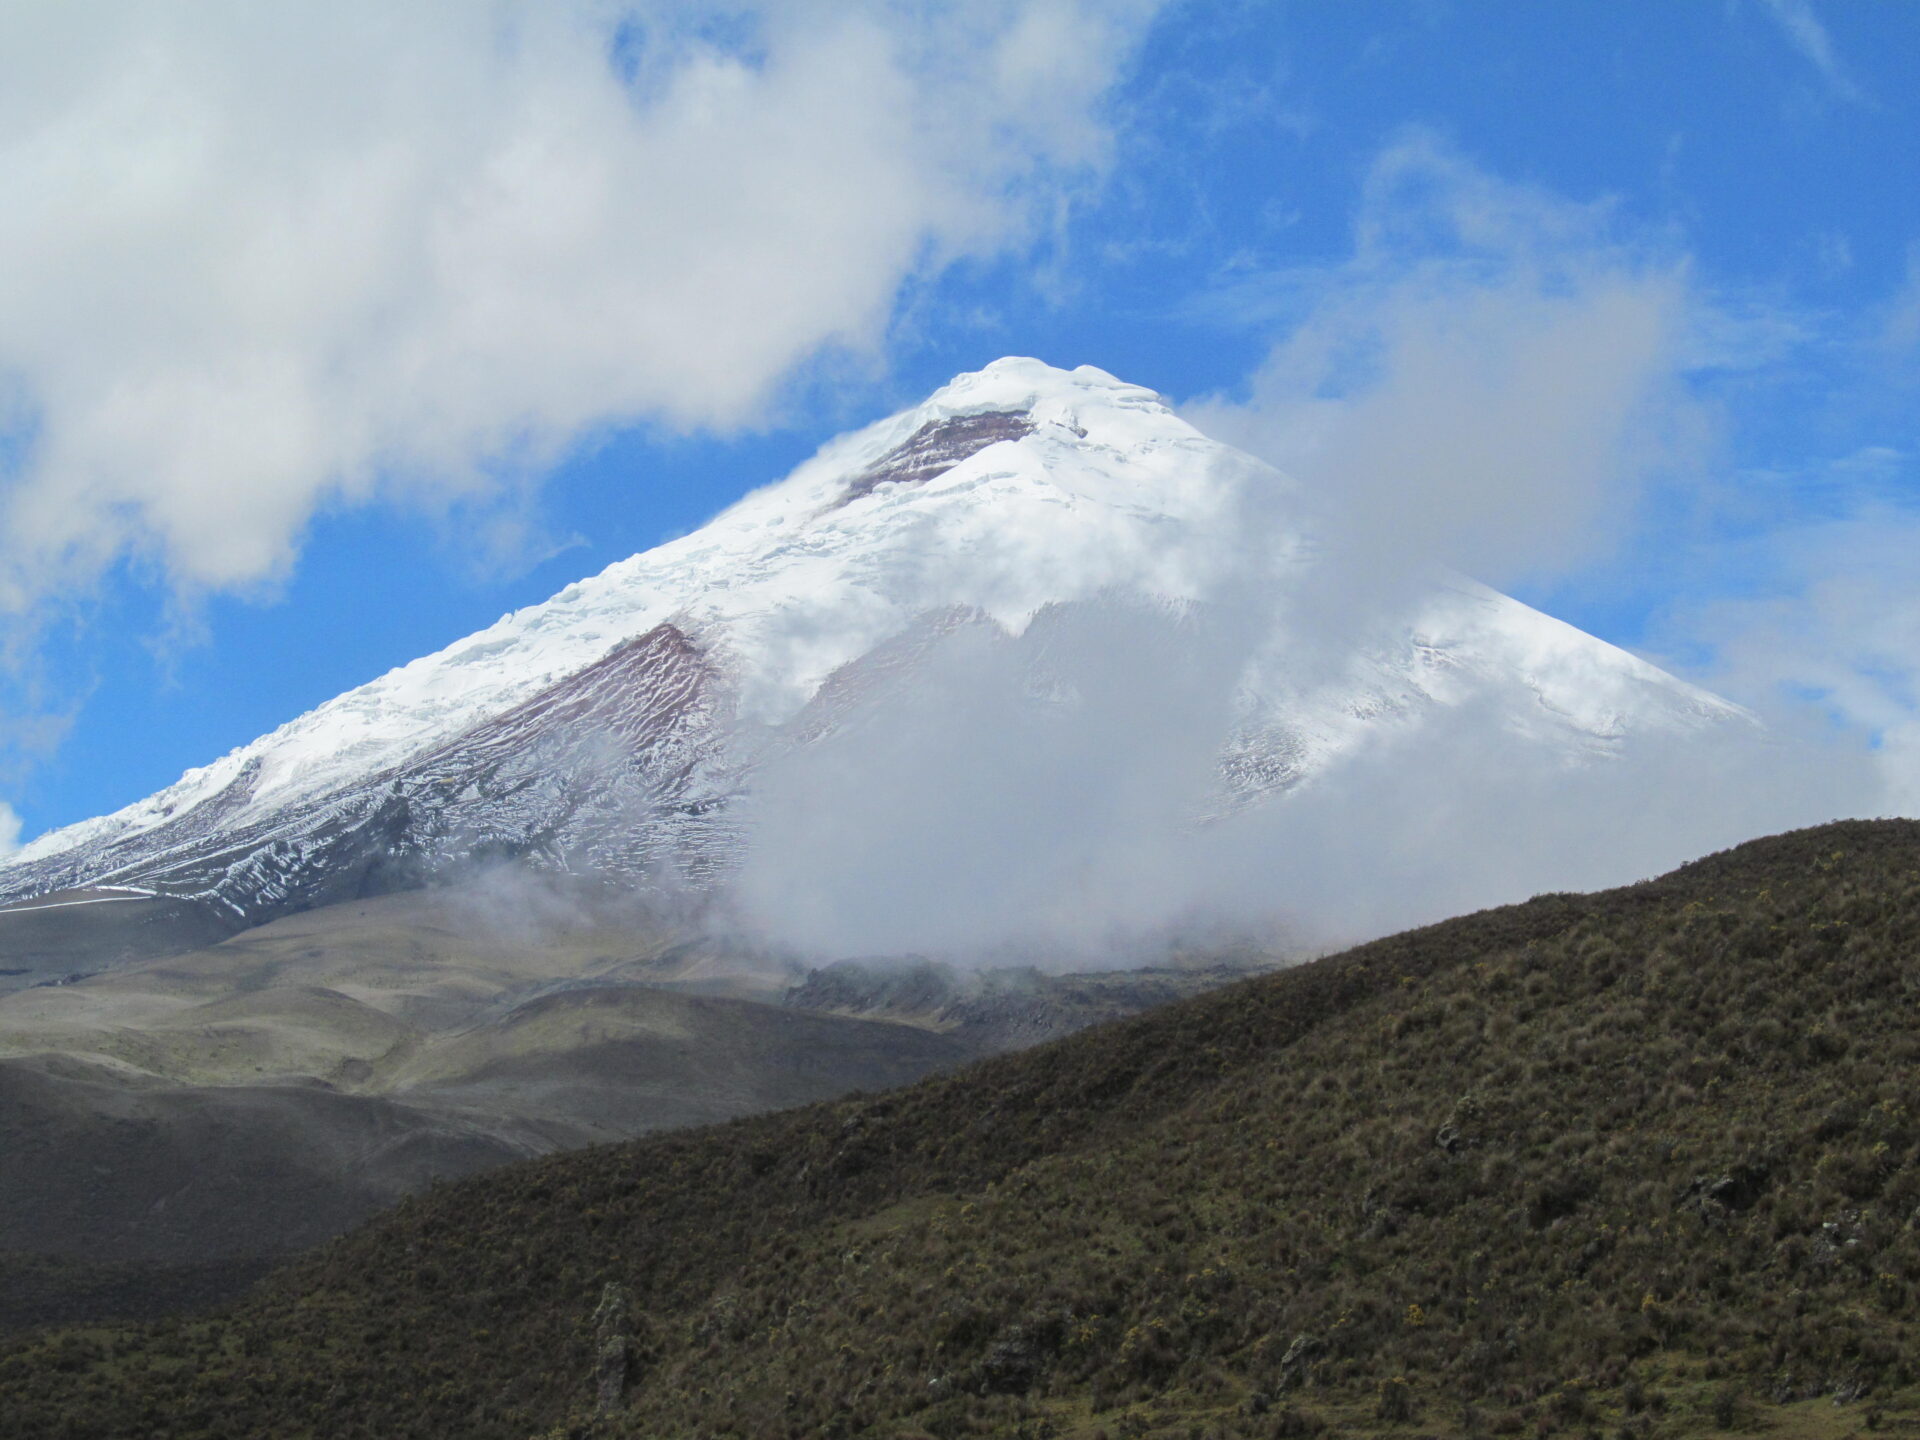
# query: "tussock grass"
[[1633, 1164]]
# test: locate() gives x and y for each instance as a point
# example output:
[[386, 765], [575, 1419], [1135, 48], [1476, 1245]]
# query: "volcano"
[[618, 729]]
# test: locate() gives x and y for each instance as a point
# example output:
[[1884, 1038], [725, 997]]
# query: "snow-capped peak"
[[1010, 489], [720, 572]]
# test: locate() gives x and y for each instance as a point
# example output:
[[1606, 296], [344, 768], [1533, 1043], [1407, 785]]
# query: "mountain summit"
[[616, 727]]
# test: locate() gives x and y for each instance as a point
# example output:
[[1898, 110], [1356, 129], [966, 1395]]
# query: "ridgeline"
[[1640, 1163]]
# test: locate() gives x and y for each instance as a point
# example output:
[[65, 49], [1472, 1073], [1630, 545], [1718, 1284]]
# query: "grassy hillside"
[[1640, 1163], [56, 938], [170, 1128]]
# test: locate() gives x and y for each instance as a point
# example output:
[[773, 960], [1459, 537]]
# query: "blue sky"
[[270, 426]]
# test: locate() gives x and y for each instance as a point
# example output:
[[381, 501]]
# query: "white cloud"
[[1028, 791], [9, 830], [1489, 380], [1456, 816], [256, 259], [1037, 798]]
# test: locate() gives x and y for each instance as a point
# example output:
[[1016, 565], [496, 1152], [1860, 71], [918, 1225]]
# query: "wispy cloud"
[[1807, 35], [1902, 331], [1490, 379], [1829, 625]]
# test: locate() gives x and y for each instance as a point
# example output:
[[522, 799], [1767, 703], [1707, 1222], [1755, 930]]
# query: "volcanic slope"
[[182, 1122], [171, 1127], [615, 728], [1645, 1162]]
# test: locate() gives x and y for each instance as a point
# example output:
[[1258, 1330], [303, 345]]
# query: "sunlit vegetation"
[[1634, 1164]]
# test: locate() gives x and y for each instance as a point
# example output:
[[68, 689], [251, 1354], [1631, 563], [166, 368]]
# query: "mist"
[[1009, 794], [1057, 798]]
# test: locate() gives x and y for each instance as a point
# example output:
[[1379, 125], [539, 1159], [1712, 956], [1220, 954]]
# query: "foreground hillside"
[[1637, 1163]]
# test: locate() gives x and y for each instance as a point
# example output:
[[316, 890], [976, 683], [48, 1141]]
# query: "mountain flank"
[[188, 1121], [1639, 1163], [58, 938]]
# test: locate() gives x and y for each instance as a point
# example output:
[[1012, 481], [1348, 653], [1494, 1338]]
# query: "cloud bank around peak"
[[1497, 381], [257, 260], [1058, 798]]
